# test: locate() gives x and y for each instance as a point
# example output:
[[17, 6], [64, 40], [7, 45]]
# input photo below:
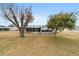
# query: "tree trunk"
[[55, 33], [22, 33]]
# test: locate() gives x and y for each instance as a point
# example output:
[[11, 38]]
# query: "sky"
[[41, 11]]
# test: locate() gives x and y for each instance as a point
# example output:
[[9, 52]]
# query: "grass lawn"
[[67, 43]]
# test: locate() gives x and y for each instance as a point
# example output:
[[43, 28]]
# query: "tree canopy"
[[61, 21]]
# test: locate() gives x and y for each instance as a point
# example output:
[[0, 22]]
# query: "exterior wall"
[[44, 28]]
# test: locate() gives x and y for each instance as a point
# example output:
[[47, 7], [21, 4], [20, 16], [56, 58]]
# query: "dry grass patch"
[[39, 44]]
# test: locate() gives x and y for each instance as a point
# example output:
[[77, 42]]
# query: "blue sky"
[[41, 11]]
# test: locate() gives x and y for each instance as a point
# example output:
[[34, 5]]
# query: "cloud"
[[39, 20]]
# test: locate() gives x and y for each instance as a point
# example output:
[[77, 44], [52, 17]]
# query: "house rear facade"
[[30, 29], [35, 29]]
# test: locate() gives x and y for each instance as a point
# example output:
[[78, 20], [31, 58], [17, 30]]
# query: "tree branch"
[[22, 18], [15, 19], [10, 20]]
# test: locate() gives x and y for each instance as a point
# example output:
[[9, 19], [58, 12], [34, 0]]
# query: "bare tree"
[[19, 16]]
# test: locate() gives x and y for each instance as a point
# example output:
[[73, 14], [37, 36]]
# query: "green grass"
[[66, 43]]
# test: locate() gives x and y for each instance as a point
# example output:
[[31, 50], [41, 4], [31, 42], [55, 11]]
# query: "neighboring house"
[[3, 28], [13, 28]]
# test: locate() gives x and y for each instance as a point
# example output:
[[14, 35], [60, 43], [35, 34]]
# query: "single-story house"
[[38, 29], [34, 29], [30, 29]]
